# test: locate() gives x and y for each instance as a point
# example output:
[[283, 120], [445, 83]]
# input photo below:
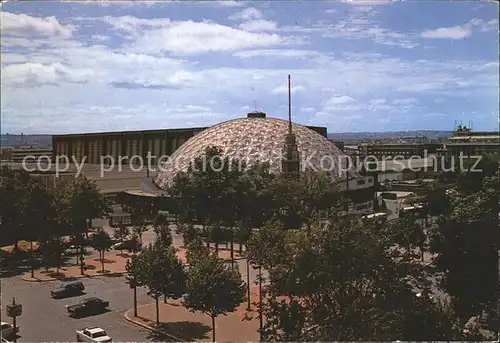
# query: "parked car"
[[87, 306], [7, 330], [93, 334], [125, 245], [68, 289]]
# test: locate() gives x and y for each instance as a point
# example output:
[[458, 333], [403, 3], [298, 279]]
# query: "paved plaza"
[[182, 325]]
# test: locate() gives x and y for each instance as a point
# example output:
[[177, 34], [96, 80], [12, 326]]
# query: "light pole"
[[248, 284]]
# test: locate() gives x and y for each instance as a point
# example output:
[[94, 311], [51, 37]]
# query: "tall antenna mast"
[[289, 105]]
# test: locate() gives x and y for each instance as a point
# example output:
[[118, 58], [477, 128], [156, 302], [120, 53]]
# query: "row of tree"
[[206, 284], [32, 212]]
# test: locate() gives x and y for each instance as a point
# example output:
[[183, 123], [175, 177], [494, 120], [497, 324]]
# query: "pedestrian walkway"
[[179, 323], [114, 265]]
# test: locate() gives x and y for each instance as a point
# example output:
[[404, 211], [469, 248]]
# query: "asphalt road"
[[45, 319]]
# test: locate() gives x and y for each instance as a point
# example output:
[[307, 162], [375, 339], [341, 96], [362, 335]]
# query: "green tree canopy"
[[213, 287], [341, 282], [466, 241]]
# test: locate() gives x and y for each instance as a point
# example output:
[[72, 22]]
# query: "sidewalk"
[[114, 265], [180, 324]]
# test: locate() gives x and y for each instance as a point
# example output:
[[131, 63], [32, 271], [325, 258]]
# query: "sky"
[[87, 66]]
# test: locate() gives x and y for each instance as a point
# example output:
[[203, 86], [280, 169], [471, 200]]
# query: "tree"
[[196, 251], [86, 203], [136, 245], [162, 274], [101, 242], [217, 235], [52, 251], [188, 231], [264, 249], [80, 202], [137, 269], [406, 235], [139, 229], [210, 192], [121, 233], [466, 242], [162, 230], [213, 288], [340, 282], [242, 235]]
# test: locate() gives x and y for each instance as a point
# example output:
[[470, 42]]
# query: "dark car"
[[68, 289], [87, 306], [125, 245]]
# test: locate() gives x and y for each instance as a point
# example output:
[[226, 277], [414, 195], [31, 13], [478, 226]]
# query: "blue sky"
[[88, 66]]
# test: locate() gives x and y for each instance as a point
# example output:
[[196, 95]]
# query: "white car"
[[94, 334], [7, 330]]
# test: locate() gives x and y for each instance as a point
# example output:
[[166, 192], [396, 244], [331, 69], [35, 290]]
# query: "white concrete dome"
[[256, 140]]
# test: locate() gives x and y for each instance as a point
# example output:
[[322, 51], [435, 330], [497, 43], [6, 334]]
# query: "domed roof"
[[256, 140]]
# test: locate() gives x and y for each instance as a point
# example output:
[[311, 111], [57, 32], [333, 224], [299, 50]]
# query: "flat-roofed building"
[[30, 153], [405, 150], [126, 144], [469, 143]]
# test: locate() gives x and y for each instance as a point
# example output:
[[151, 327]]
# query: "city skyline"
[[358, 66]]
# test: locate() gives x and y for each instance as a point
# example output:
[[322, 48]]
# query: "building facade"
[[390, 150], [23, 154], [123, 145], [469, 143]]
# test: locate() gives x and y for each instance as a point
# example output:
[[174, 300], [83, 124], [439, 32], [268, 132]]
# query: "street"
[[46, 319]]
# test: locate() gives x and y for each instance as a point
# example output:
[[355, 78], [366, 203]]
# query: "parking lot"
[[45, 319]]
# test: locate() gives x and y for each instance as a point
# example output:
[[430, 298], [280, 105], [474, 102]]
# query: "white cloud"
[[359, 23], [190, 37], [331, 11], [455, 32], [377, 101], [339, 100], [35, 74], [85, 87], [27, 26], [250, 13], [284, 53], [461, 32], [485, 25], [227, 3], [284, 89], [258, 25]]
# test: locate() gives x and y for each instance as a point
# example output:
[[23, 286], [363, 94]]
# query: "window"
[[370, 180], [361, 182]]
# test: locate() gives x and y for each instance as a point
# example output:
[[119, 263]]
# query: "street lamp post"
[[248, 284]]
